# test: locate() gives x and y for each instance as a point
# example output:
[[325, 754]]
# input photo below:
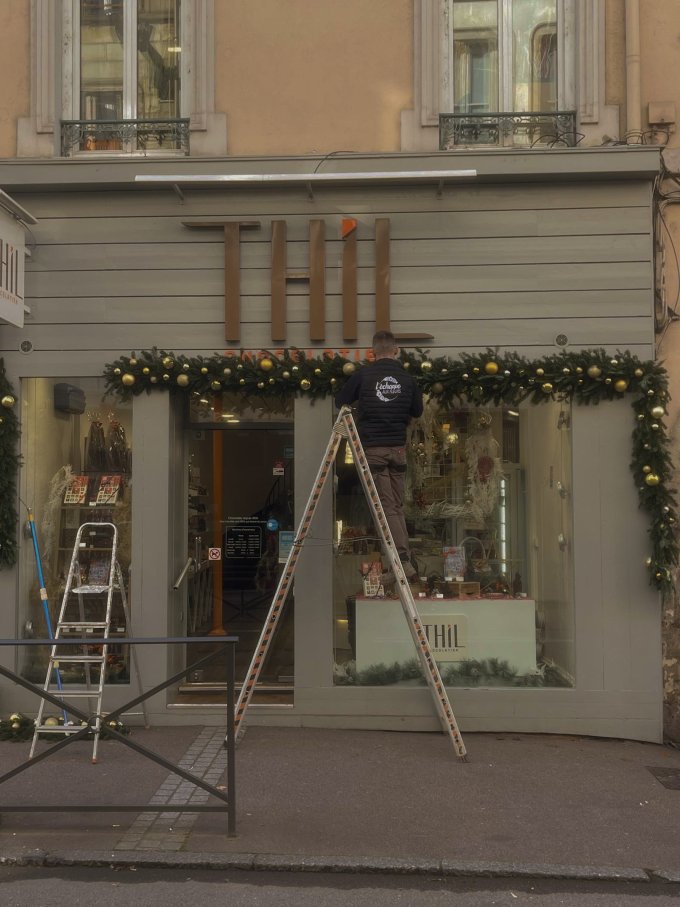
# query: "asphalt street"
[[68, 886]]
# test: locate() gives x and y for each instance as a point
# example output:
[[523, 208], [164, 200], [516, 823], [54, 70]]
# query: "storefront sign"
[[314, 276], [11, 270], [446, 635]]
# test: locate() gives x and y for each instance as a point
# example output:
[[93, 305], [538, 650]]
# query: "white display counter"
[[457, 629]]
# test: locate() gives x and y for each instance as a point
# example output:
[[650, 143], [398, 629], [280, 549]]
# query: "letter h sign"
[[315, 276]]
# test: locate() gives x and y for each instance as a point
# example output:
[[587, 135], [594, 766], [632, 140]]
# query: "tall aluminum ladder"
[[345, 427], [94, 577]]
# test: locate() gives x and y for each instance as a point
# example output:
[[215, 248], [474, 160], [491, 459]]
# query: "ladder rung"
[[77, 694], [57, 729], [76, 658], [89, 590], [82, 625]]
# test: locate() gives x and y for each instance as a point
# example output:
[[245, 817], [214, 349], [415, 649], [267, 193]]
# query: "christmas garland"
[[584, 377], [17, 727], [467, 673], [9, 464]]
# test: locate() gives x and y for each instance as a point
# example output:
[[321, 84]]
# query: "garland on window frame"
[[584, 377], [9, 464]]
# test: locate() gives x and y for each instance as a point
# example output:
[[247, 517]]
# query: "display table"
[[457, 629]]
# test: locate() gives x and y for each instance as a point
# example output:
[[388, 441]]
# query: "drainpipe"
[[633, 102]]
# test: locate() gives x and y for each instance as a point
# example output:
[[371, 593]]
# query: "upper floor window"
[[130, 55], [503, 55], [127, 75]]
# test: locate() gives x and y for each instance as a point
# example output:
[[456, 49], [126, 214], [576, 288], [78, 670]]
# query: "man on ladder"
[[388, 399]]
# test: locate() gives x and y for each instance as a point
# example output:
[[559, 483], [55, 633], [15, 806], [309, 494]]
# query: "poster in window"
[[76, 491]]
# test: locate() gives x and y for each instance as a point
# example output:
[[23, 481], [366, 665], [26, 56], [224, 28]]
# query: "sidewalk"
[[314, 799]]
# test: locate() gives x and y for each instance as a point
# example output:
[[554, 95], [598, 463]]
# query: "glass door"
[[240, 527]]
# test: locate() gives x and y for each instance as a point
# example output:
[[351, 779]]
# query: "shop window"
[[76, 449], [489, 519]]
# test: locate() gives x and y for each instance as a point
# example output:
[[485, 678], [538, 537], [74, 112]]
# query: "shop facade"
[[525, 521]]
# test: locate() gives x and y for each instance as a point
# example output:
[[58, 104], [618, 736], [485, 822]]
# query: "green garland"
[[9, 464], [584, 377], [470, 672]]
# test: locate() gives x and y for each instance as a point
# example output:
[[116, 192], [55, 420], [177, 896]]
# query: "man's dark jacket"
[[388, 399]]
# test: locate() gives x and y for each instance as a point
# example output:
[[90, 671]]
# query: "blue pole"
[[43, 594]]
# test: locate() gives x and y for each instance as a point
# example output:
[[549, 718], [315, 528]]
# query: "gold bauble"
[[215, 385], [614, 362], [648, 562], [15, 716], [334, 381], [226, 371], [261, 385], [475, 370], [607, 380], [658, 575], [638, 373], [621, 385], [658, 412], [51, 722], [445, 371], [317, 372], [566, 371], [166, 377], [652, 479], [272, 380], [491, 368], [204, 371], [8, 401], [116, 371], [407, 365], [183, 380], [266, 365], [579, 370], [654, 426], [241, 380], [128, 379], [168, 362], [650, 393], [133, 361], [437, 388], [348, 368], [426, 365], [594, 371], [285, 375], [547, 388], [239, 366], [305, 384], [465, 376], [540, 372], [186, 366], [15, 725], [646, 468], [153, 379], [296, 368], [146, 370]]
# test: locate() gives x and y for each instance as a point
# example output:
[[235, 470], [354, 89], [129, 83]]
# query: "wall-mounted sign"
[[214, 554], [243, 537], [12, 254]]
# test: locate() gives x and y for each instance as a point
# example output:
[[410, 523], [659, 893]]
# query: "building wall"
[[15, 56]]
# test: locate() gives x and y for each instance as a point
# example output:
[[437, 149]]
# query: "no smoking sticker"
[[214, 554]]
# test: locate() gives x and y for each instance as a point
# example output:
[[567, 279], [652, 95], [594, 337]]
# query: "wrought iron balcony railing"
[[549, 129], [125, 136]]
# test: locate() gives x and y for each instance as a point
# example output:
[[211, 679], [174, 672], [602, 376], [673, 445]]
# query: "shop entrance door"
[[240, 524]]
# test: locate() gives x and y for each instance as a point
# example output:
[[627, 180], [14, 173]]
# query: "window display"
[[489, 521], [77, 469]]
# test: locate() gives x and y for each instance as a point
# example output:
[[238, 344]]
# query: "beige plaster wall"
[[15, 30], [349, 63]]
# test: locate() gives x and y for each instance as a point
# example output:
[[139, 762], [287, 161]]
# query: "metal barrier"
[[226, 645]]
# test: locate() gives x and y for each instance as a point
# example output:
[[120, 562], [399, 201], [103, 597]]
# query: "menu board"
[[244, 538]]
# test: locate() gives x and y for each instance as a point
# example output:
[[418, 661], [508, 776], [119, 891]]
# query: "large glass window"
[[504, 55], [130, 56], [76, 448], [489, 518]]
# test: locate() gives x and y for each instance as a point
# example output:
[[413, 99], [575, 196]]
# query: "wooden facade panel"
[[564, 220], [414, 252], [430, 306], [215, 202], [594, 332], [493, 278]]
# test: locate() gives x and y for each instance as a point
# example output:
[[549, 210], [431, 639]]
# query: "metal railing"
[[125, 136], [222, 644], [544, 128]]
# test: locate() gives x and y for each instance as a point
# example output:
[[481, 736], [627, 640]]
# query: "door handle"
[[183, 572]]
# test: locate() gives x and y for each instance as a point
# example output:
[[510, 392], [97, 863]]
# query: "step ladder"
[[94, 577], [345, 427]]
